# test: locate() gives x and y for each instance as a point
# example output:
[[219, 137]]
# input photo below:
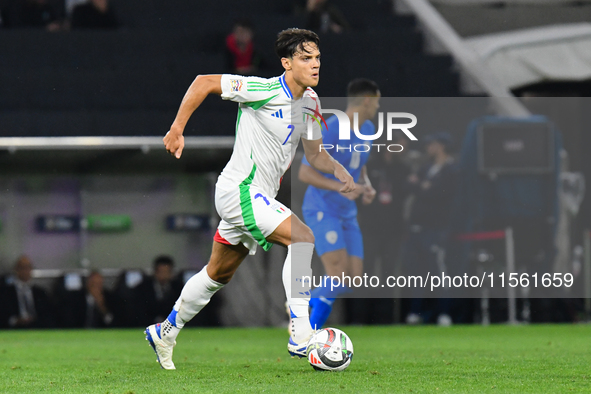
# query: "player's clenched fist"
[[354, 194], [174, 143]]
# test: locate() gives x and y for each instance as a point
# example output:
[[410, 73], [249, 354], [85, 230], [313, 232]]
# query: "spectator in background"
[[324, 17], [100, 305], [33, 13], [433, 189], [160, 291], [388, 172], [241, 55], [384, 227], [24, 304], [96, 307], [95, 14]]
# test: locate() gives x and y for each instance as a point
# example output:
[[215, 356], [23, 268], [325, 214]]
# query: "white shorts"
[[248, 215]]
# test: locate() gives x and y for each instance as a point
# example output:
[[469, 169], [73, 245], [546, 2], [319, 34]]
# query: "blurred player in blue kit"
[[331, 214]]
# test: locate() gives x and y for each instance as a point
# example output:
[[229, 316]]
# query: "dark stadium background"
[[129, 83]]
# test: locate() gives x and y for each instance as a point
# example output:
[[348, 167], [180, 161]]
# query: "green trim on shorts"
[[248, 213]]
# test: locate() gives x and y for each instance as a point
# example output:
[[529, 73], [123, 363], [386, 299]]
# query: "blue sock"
[[321, 308], [321, 302], [172, 317]]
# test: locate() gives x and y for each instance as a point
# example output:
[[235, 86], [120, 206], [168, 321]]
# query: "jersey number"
[[290, 127]]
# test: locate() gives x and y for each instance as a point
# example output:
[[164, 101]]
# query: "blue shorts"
[[334, 233]]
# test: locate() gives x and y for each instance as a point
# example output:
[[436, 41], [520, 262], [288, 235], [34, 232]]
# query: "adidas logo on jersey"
[[278, 114]]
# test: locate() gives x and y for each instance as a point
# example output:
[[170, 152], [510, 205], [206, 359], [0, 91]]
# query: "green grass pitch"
[[393, 359]]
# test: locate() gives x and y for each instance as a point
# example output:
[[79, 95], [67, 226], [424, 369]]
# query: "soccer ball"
[[330, 349]]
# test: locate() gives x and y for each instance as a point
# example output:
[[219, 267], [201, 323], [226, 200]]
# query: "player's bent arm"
[[322, 161], [310, 176], [369, 193], [202, 86], [363, 178], [319, 158]]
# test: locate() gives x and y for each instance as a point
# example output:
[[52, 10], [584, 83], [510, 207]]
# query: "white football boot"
[[298, 349], [162, 349]]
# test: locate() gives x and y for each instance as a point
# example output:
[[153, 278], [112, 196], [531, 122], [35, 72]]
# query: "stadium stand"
[[130, 81]]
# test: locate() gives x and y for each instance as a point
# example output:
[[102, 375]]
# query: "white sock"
[[297, 265], [195, 295]]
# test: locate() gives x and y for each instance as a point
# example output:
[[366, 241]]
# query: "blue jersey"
[[353, 160]]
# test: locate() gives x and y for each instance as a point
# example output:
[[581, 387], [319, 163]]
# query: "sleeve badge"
[[236, 85]]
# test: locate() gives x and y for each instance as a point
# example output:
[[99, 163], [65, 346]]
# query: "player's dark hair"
[[290, 41], [362, 87], [164, 260]]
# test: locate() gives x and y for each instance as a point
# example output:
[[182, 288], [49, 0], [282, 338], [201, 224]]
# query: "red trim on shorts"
[[218, 238]]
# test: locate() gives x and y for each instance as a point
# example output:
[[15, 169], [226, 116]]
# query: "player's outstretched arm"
[[322, 161], [197, 92]]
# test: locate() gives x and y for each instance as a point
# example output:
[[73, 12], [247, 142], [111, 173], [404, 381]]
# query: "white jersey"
[[269, 126]]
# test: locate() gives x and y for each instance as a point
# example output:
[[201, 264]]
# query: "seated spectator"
[[25, 305], [129, 288], [325, 17], [160, 291], [241, 55], [96, 14], [96, 307], [33, 13]]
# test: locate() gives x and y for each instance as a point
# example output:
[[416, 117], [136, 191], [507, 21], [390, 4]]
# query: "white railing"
[[13, 144]]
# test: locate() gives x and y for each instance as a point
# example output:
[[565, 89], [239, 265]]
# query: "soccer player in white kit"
[[273, 114]]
